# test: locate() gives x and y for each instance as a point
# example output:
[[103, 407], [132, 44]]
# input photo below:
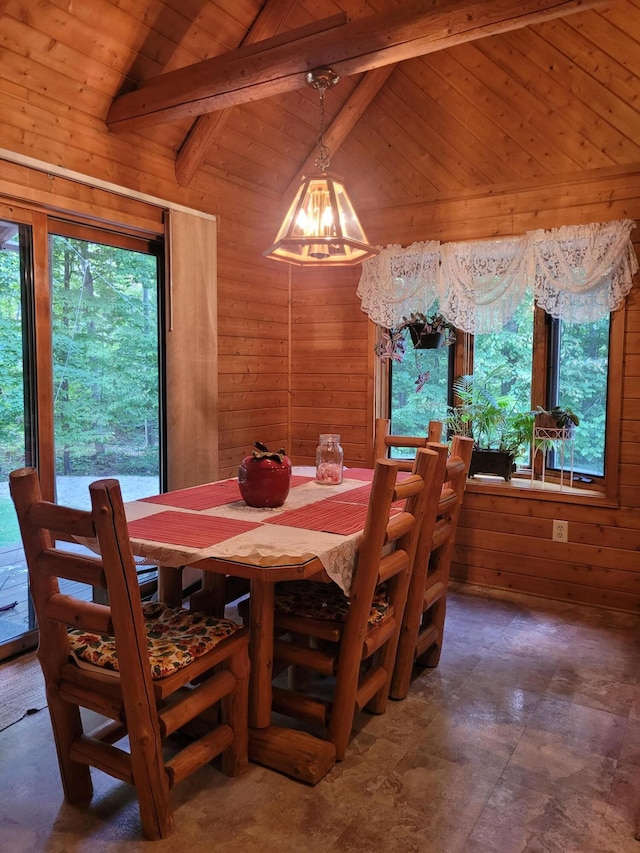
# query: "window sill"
[[523, 487]]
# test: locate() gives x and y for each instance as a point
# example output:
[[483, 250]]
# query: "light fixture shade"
[[321, 227]]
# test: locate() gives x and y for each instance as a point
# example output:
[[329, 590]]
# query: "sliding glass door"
[[80, 378], [17, 418]]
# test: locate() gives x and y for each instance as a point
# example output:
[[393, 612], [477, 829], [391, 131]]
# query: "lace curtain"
[[578, 273], [400, 281]]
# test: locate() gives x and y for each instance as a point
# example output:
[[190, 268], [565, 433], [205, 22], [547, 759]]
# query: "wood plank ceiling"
[[554, 98]]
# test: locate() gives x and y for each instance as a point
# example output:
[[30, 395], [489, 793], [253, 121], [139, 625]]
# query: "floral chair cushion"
[[324, 601], [175, 638]]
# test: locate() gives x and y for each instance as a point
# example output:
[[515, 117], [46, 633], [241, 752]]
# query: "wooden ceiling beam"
[[206, 127], [279, 65]]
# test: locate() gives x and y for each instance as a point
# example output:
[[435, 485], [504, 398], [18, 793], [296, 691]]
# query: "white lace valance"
[[578, 273], [399, 281]]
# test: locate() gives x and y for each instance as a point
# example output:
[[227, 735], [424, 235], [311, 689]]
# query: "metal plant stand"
[[561, 439]]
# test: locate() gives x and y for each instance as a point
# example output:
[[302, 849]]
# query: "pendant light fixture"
[[321, 227]]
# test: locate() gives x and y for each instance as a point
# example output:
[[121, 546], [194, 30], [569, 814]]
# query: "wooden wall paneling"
[[71, 197], [329, 357], [606, 114], [503, 578], [485, 165]]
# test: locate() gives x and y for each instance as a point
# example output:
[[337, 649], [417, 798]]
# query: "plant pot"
[[425, 340], [497, 462], [546, 421]]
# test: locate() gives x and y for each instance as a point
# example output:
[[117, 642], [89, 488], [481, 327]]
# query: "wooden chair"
[[319, 629], [422, 629], [383, 442], [150, 671]]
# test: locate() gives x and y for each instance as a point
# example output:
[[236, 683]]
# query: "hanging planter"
[[423, 339], [426, 333]]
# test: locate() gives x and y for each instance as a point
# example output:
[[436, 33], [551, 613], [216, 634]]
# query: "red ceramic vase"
[[264, 482]]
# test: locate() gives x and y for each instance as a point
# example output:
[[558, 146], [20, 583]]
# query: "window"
[[578, 370], [547, 362], [419, 389]]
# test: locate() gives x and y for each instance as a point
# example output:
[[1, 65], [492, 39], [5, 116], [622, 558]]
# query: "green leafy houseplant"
[[499, 429], [425, 332]]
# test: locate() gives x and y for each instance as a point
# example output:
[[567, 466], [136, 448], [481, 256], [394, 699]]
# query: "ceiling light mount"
[[321, 227]]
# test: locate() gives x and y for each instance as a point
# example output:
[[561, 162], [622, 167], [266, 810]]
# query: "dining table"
[[313, 535]]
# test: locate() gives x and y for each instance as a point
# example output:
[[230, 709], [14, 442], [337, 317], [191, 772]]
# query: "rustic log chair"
[[320, 630], [209, 663], [383, 442], [422, 629]]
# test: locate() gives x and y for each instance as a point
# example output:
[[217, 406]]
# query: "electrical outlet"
[[560, 531]]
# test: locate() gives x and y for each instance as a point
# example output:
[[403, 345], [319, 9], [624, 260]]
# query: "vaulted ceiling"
[[555, 97]]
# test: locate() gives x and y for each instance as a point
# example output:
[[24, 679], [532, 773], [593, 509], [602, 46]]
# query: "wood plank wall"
[[502, 541], [331, 380]]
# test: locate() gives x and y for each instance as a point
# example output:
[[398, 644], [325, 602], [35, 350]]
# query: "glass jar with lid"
[[329, 457]]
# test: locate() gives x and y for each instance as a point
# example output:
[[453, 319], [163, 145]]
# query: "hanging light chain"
[[323, 160], [321, 79]]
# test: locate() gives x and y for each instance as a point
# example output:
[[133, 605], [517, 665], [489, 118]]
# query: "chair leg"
[[437, 613], [406, 648], [343, 706], [235, 710], [67, 728], [150, 776]]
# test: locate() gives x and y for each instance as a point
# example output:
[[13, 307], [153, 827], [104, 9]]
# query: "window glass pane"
[[106, 368], [580, 384], [504, 360], [419, 389]]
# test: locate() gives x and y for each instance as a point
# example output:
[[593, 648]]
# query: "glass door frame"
[[38, 360]]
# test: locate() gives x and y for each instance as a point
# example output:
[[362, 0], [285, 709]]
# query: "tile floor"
[[525, 738]]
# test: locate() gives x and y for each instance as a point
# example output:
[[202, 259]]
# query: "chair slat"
[[116, 762], [391, 564], [85, 615], [62, 519], [73, 567], [424, 615]]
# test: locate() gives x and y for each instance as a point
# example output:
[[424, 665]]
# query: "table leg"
[[261, 654], [298, 754], [170, 585], [210, 599]]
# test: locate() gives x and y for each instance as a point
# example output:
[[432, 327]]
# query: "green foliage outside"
[[105, 357], [581, 381], [412, 410], [105, 362]]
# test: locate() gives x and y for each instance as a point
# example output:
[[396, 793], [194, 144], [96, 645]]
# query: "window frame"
[[603, 488]]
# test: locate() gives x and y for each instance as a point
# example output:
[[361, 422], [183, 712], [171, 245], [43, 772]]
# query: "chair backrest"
[[390, 537], [423, 622], [383, 442], [114, 570]]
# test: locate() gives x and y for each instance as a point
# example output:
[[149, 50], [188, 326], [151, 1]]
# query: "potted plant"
[[558, 418], [498, 428], [426, 332]]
